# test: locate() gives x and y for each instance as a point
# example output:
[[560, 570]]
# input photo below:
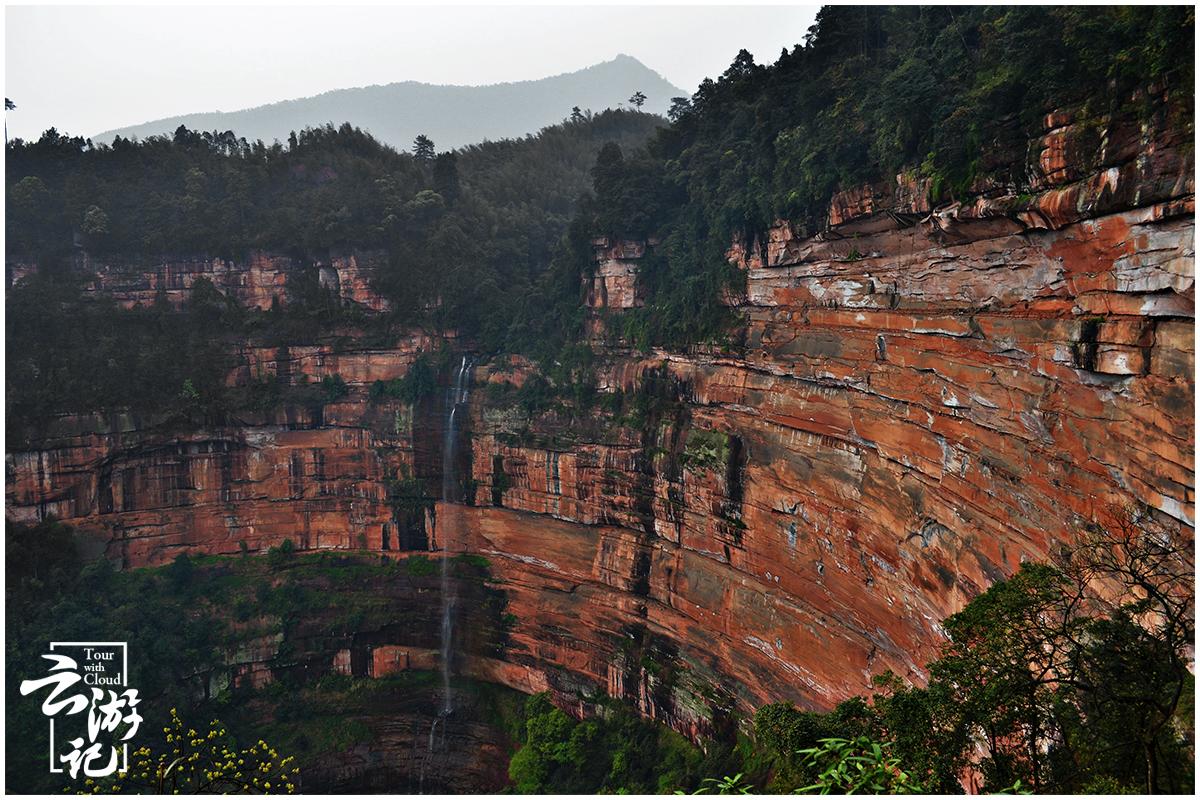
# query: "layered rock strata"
[[926, 395], [260, 280]]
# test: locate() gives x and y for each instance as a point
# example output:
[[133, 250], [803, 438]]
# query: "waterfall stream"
[[456, 397]]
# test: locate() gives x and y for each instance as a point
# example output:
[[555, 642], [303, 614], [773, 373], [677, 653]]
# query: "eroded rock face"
[[412, 751], [926, 398], [614, 283], [896, 437], [258, 281], [318, 475], [927, 395]]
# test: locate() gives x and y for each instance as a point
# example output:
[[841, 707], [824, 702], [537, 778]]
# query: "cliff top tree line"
[[492, 240]]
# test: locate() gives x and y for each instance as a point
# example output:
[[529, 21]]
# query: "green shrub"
[[419, 381], [334, 388], [420, 566], [706, 449], [858, 766], [280, 555]]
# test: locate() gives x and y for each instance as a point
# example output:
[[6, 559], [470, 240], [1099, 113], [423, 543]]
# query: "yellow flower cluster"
[[181, 769]]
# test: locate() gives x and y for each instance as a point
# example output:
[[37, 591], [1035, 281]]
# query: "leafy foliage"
[[729, 784], [613, 751], [475, 237], [469, 237], [420, 381], [449, 221], [59, 587], [54, 594], [858, 766]]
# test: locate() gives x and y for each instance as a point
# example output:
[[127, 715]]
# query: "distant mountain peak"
[[451, 115]]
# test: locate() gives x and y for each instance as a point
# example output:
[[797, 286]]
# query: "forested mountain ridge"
[[452, 116], [464, 236], [949, 99]]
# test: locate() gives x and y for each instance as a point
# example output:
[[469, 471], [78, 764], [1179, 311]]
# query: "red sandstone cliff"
[[257, 282], [927, 396]]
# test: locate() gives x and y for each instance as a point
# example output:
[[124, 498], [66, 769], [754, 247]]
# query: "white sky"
[[89, 69]]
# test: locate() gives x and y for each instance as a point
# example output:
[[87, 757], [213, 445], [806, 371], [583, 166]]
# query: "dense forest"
[[944, 93], [468, 235], [491, 240]]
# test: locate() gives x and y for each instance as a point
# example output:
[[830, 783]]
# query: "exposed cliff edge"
[[924, 397]]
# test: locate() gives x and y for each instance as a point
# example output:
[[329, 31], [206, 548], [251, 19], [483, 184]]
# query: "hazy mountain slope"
[[450, 115]]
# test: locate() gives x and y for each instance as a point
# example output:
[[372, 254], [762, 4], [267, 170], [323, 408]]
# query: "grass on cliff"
[[328, 715]]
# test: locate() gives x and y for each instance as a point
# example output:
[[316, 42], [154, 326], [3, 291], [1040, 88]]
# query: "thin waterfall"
[[456, 397]]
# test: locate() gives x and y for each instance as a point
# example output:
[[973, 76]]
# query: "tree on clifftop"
[[679, 107], [423, 148]]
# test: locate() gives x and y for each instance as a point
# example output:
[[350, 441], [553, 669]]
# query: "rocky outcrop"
[[927, 393], [318, 474], [927, 396], [259, 281], [218, 492], [614, 283], [902, 431]]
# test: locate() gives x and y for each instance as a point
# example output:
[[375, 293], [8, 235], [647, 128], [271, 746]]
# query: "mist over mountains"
[[452, 116]]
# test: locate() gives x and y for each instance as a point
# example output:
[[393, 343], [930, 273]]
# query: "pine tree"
[[423, 148]]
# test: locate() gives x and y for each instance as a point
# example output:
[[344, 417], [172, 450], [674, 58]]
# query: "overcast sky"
[[89, 69]]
